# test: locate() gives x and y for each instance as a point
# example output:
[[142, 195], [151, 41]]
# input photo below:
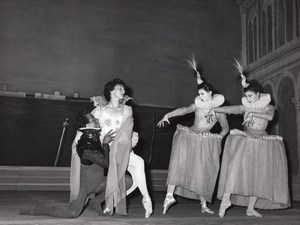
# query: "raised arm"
[[177, 112], [236, 109], [224, 124]]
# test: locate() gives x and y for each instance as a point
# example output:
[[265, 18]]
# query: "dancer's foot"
[[253, 213], [106, 211], [223, 208], [205, 209], [147, 203], [169, 200], [96, 207]]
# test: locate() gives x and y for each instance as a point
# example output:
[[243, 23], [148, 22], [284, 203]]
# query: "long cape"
[[115, 195]]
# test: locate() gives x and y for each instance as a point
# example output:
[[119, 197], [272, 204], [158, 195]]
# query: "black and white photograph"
[[150, 112]]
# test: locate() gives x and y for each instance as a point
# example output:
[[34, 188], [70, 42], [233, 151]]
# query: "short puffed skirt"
[[194, 163], [255, 166]]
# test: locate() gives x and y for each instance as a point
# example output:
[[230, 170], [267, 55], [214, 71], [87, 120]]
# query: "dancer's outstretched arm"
[[177, 112]]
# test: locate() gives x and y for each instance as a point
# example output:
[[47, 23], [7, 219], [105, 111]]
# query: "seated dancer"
[[113, 114], [93, 158], [194, 160], [254, 165]]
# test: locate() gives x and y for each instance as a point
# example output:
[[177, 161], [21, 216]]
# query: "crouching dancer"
[[89, 159]]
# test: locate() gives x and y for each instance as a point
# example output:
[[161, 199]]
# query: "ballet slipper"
[[169, 200], [147, 203], [106, 211], [205, 209], [253, 213], [223, 208]]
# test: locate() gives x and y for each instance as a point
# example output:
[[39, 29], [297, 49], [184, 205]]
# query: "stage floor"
[[185, 212]]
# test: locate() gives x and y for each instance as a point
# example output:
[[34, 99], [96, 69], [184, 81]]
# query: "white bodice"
[[260, 106], [109, 119], [202, 109]]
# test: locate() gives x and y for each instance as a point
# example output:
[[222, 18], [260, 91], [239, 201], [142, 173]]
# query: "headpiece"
[[193, 64], [240, 69]]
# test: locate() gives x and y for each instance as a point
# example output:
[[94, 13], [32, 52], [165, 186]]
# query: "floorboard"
[[185, 212]]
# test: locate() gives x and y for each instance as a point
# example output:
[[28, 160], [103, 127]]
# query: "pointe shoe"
[[169, 200], [253, 213], [147, 203], [223, 208], [205, 209]]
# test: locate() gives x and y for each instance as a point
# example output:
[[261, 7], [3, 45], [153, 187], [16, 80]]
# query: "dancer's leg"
[[250, 210], [137, 170], [224, 204], [169, 199], [72, 211], [204, 208], [96, 202]]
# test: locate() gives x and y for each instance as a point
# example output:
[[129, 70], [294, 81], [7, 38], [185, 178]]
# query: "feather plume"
[[238, 66], [241, 69], [193, 64]]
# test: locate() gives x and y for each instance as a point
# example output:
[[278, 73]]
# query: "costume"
[[194, 161], [254, 163], [94, 158], [121, 121]]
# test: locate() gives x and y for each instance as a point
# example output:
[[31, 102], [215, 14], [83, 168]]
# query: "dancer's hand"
[[248, 122], [164, 119], [109, 137], [210, 115]]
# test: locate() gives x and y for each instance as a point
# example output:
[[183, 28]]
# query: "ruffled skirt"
[[255, 166], [194, 163]]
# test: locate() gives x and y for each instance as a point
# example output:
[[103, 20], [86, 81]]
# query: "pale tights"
[[137, 170]]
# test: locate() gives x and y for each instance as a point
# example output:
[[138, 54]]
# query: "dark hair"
[[254, 86], [206, 87], [81, 120], [109, 86]]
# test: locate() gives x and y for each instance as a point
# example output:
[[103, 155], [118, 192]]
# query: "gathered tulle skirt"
[[194, 163], [255, 166]]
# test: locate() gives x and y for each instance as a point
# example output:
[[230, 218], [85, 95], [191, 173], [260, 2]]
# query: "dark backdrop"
[[78, 45], [31, 130]]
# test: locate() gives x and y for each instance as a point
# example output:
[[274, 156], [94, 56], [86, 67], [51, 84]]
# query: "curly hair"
[[81, 120], [206, 87], [254, 86], [109, 86]]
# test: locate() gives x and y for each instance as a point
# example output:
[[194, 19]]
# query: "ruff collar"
[[217, 100], [102, 102], [88, 128], [264, 100]]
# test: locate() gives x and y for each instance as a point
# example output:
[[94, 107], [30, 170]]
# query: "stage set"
[[55, 56]]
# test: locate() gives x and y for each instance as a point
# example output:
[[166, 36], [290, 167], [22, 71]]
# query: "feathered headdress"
[[193, 64], [240, 69]]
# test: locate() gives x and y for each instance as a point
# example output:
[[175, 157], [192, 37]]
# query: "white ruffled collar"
[[264, 100], [89, 128], [217, 100], [102, 102]]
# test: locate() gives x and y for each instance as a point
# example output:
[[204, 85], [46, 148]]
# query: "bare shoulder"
[[96, 112]]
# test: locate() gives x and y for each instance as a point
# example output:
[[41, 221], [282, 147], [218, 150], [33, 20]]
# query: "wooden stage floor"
[[186, 212]]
